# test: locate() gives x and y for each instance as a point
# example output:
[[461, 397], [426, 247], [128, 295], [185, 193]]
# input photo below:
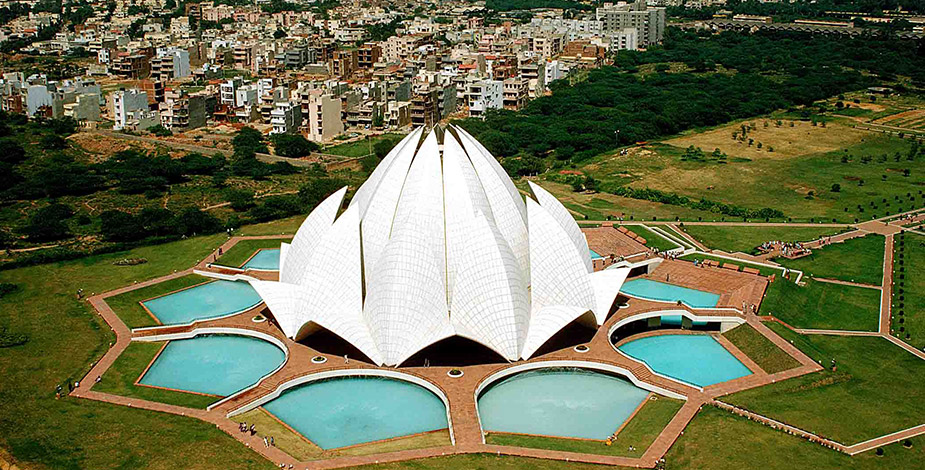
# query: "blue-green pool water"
[[215, 364], [654, 290], [559, 402], [212, 300], [354, 410], [266, 259], [695, 359]]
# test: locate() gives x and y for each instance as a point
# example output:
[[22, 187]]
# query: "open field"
[[65, 336], [823, 305], [909, 288], [640, 433], [120, 379], [719, 440], [855, 260], [798, 182], [746, 239], [128, 307], [876, 389], [760, 349], [360, 148], [790, 139], [244, 249]]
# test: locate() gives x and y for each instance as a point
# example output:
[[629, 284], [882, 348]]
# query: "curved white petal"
[[565, 220], [490, 303], [507, 205], [368, 189], [463, 197], [376, 224], [557, 274], [546, 322], [303, 243], [283, 251], [287, 302], [406, 304], [606, 284]]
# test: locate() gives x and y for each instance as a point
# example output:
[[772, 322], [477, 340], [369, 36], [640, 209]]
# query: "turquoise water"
[[695, 359], [559, 402], [215, 364], [594, 255], [675, 320], [266, 259], [354, 410], [215, 299], [654, 290]]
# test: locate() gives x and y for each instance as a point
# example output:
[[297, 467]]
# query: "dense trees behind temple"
[[731, 76], [789, 11]]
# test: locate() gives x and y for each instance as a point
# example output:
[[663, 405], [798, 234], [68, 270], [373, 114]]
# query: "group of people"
[[787, 249]]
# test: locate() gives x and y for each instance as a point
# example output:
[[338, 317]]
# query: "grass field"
[[823, 305], [299, 447], [856, 260], [120, 379], [909, 291], [65, 337], [760, 349], [128, 305], [797, 178], [244, 249], [745, 239], [719, 440], [653, 240], [360, 148], [877, 389], [640, 433]]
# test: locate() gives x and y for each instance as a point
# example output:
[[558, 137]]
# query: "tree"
[[317, 190], [239, 199], [53, 142], [11, 151], [120, 226], [279, 34], [836, 188], [384, 146], [48, 223], [160, 131], [249, 138], [293, 146]]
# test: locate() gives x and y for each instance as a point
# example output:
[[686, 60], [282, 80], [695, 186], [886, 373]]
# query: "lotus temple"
[[440, 309]]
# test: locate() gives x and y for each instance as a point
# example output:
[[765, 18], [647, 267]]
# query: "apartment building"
[[323, 117], [126, 105], [649, 22]]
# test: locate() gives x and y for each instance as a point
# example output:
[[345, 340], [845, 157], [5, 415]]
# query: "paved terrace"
[[736, 288]]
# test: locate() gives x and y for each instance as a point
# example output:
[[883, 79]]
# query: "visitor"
[[272, 442], [220, 251], [98, 378], [346, 359], [266, 443], [253, 429]]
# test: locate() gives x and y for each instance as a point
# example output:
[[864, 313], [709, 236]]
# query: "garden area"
[[822, 305], [908, 321], [745, 239]]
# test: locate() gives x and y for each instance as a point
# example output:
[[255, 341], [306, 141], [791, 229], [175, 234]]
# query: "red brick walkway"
[[460, 391]]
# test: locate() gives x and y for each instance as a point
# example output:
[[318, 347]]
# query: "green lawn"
[[823, 305], [653, 240], [485, 462], [908, 320], [719, 440], [640, 433], [120, 378], [877, 389], [856, 260], [361, 148], [745, 239], [799, 184], [802, 342], [244, 249], [128, 305], [760, 349], [65, 337]]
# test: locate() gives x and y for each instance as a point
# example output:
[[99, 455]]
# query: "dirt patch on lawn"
[[790, 139]]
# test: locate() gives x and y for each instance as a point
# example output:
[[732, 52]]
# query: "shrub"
[[293, 146], [48, 223]]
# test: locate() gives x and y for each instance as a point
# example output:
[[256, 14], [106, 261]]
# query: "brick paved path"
[[460, 391]]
